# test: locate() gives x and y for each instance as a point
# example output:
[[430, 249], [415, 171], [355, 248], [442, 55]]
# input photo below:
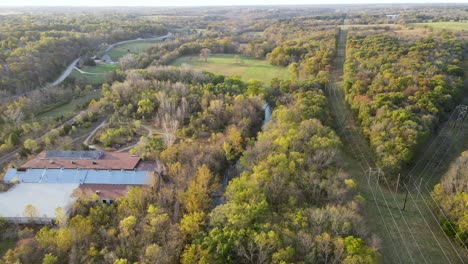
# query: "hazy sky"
[[201, 2]]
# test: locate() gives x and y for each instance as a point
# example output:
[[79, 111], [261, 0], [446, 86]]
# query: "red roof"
[[107, 161], [106, 191]]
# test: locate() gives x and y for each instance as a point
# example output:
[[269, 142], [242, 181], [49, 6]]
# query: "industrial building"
[[52, 178]]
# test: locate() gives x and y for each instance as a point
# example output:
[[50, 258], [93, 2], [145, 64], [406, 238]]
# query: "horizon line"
[[249, 5]]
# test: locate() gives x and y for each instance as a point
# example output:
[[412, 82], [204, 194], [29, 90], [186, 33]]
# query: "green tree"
[[197, 195], [49, 259], [233, 146], [31, 145], [145, 106], [30, 212], [191, 224]]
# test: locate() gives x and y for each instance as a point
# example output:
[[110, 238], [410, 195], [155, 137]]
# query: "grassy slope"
[[88, 78], [100, 68], [225, 64], [68, 109]]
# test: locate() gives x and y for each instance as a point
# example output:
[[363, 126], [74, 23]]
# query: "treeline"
[[166, 53], [451, 196], [291, 203], [409, 14], [34, 49], [401, 90]]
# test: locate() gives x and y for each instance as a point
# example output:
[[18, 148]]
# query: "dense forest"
[[400, 90], [289, 180]]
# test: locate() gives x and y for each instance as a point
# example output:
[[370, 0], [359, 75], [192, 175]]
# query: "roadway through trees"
[[409, 236]]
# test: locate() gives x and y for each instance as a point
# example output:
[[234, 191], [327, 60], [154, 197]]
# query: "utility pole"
[[419, 188], [462, 112], [397, 183], [406, 198]]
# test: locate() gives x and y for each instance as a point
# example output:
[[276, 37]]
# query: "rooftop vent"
[[94, 162], [51, 161], [73, 162], [98, 191]]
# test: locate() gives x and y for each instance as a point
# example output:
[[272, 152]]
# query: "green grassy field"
[[454, 26], [225, 64], [101, 69], [133, 47], [68, 109], [88, 78]]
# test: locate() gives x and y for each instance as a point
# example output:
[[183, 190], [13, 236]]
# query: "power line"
[[426, 203], [427, 224], [427, 151], [372, 191]]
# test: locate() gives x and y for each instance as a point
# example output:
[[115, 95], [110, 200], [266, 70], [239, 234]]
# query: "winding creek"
[[231, 170]]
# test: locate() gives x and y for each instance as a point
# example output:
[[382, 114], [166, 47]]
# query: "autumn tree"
[[205, 53], [30, 212]]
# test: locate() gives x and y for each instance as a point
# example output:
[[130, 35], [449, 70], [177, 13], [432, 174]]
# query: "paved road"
[[8, 156], [64, 74]]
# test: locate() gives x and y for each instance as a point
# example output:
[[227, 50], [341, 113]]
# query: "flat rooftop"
[[54, 159], [77, 176], [72, 154], [44, 197]]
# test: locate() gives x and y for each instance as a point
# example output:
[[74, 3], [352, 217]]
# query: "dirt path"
[[410, 236], [86, 141], [7, 157], [150, 132]]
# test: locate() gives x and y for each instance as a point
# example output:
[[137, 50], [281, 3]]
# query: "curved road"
[[64, 74], [70, 67]]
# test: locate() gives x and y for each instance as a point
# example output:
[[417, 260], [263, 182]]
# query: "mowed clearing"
[[226, 64], [100, 68], [135, 47], [96, 74], [454, 26]]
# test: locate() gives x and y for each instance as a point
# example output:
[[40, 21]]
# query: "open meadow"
[[227, 64], [453, 26]]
